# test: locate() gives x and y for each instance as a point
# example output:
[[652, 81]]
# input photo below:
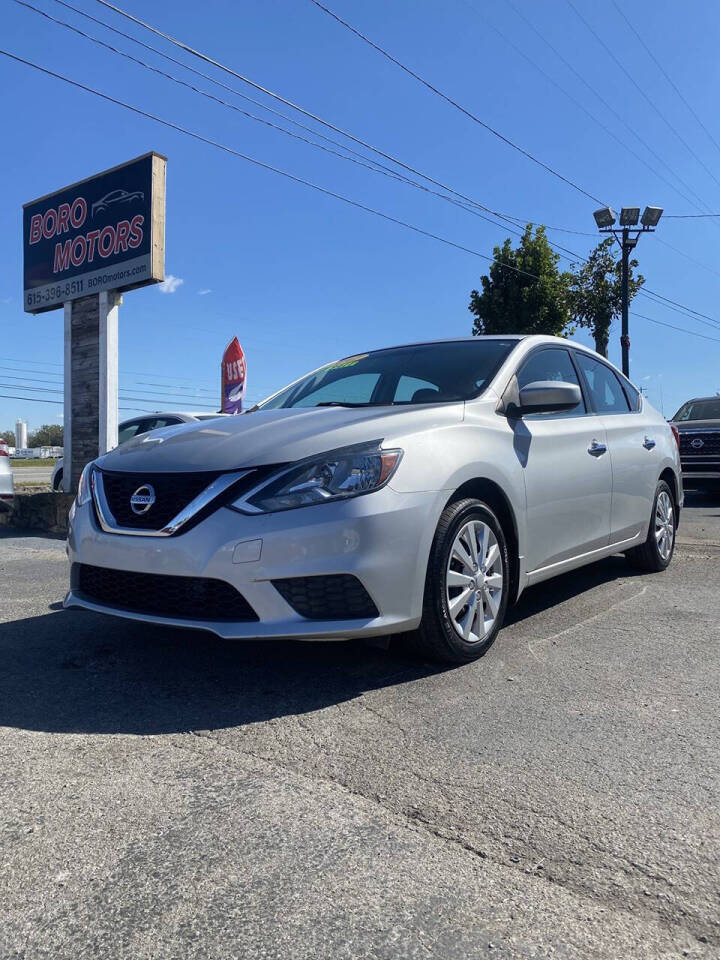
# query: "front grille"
[[173, 492], [710, 444], [185, 598], [334, 597]]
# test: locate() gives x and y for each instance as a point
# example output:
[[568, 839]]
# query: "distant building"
[[21, 433]]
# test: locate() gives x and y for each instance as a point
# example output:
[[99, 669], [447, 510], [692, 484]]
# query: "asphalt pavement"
[[165, 794]]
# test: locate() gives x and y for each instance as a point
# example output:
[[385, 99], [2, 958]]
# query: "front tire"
[[466, 587], [656, 553]]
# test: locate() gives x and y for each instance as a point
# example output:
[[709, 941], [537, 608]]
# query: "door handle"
[[648, 443], [597, 449]]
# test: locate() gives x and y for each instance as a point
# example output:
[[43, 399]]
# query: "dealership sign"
[[104, 233]]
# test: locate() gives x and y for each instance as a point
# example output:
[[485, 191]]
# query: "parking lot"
[[165, 794]]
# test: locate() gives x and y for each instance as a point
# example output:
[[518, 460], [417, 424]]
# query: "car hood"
[[271, 436], [683, 425]]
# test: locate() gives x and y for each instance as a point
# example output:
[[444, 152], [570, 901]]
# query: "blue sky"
[[302, 278]]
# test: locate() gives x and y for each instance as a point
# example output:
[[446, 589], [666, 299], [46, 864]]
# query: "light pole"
[[629, 217]]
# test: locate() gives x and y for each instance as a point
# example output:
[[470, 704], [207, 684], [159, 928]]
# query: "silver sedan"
[[416, 490]]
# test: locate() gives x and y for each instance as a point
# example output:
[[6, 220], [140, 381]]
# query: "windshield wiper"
[[344, 403]]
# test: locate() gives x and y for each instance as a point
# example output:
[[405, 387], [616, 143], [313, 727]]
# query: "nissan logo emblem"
[[142, 499], [697, 443]]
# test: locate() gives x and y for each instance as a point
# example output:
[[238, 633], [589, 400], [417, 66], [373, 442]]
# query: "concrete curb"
[[39, 511]]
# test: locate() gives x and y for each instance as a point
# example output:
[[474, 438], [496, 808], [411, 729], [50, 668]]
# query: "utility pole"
[[629, 217]]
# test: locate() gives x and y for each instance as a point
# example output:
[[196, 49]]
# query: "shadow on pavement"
[[79, 672]]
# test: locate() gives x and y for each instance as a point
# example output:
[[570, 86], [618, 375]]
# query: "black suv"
[[698, 424]]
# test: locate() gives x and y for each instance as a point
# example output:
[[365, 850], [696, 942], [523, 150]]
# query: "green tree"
[[596, 292], [8, 437], [48, 435], [513, 300]]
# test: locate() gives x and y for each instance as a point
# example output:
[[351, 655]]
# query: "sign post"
[[83, 245]]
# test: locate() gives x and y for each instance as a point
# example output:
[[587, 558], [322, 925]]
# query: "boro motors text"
[[82, 248]]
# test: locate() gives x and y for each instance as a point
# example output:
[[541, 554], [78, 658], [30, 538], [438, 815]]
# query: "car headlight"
[[84, 491], [338, 475]]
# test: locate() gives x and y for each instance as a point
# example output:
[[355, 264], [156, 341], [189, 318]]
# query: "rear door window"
[[606, 392]]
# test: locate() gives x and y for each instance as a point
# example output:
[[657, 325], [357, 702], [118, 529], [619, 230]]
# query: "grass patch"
[[33, 463]]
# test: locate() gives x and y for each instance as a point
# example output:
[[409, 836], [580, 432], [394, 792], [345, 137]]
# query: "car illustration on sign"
[[115, 196]]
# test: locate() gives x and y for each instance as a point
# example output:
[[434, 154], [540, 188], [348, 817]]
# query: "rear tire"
[[656, 553], [466, 587]]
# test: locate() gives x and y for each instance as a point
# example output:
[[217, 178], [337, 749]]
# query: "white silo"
[[21, 434]]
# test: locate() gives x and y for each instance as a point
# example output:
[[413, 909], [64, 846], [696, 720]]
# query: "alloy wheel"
[[664, 525], [474, 581]]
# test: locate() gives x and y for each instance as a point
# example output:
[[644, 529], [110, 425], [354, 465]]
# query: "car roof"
[[193, 414]]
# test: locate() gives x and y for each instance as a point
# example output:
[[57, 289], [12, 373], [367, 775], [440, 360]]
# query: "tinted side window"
[[552, 364], [128, 430], [632, 393], [607, 394], [158, 422]]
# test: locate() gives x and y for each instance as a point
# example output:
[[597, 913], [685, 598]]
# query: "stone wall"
[[39, 511]]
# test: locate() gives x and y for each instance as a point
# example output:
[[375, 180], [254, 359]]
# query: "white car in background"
[[7, 491], [138, 425]]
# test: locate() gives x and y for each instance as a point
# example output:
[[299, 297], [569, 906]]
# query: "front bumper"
[[383, 539]]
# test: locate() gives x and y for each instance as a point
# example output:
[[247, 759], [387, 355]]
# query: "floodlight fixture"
[[604, 218], [629, 216], [651, 216]]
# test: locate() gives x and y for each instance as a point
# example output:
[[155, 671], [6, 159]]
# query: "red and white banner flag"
[[233, 374]]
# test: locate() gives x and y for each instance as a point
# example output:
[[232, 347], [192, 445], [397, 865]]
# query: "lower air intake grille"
[[186, 598], [333, 597]]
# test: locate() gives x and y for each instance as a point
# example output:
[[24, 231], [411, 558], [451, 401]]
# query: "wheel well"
[[57, 483], [490, 493], [670, 479]]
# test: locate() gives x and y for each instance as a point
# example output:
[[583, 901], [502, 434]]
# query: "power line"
[[376, 167], [295, 179], [444, 96], [689, 216], [557, 53], [664, 72], [260, 163], [7, 396], [698, 263], [368, 146], [56, 377], [54, 363], [142, 399], [365, 162], [223, 86], [672, 326], [640, 90]]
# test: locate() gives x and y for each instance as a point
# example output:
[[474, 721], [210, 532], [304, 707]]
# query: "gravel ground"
[[168, 795]]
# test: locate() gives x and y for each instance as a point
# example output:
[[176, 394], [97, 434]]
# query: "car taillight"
[[3, 452], [676, 434]]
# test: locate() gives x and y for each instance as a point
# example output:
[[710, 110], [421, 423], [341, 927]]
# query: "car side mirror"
[[548, 396]]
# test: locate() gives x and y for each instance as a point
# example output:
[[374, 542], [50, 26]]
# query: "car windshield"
[[422, 373], [699, 410]]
